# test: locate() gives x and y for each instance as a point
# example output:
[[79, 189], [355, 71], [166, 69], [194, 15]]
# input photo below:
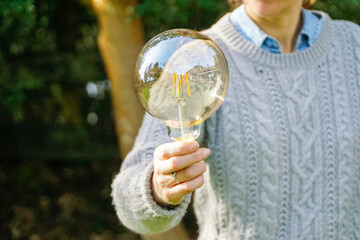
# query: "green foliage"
[[18, 18], [160, 15], [345, 9], [48, 54]]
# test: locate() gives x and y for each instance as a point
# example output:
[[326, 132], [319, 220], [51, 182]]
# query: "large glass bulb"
[[181, 78]]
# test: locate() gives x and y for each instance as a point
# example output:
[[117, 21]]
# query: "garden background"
[[67, 110]]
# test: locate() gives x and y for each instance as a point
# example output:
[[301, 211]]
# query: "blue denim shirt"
[[250, 31]]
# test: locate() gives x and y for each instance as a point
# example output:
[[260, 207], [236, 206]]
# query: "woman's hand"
[[178, 170]]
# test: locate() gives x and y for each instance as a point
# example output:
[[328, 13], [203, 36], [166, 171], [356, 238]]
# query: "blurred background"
[[68, 114]]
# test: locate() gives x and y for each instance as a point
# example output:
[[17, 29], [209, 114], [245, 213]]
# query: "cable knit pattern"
[[352, 74], [285, 160]]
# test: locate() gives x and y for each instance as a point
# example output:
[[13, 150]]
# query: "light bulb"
[[181, 77]]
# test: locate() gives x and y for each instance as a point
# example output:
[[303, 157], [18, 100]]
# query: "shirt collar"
[[246, 26], [311, 26], [252, 32]]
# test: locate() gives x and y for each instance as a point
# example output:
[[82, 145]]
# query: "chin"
[[268, 8]]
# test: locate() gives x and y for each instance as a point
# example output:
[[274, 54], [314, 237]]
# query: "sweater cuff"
[[156, 209]]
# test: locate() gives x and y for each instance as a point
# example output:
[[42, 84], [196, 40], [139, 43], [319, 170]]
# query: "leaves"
[[346, 9], [161, 15]]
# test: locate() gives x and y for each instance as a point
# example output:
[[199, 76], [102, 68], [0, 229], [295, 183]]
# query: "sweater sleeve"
[[131, 187]]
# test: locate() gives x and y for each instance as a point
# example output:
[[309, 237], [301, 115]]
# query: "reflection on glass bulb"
[[181, 78]]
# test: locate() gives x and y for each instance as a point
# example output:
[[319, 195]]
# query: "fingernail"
[[194, 146], [206, 152]]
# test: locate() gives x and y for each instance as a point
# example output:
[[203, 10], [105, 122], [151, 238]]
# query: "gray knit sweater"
[[285, 145]]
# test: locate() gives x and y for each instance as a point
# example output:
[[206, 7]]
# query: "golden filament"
[[179, 85], [187, 84], [173, 89]]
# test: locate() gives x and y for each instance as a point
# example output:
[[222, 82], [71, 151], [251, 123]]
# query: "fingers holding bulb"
[[177, 163], [167, 150], [185, 159], [191, 172], [176, 194]]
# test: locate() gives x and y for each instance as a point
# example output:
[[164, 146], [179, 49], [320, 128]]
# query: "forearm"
[[131, 188], [136, 207]]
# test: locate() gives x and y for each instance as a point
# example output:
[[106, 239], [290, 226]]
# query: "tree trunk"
[[120, 40]]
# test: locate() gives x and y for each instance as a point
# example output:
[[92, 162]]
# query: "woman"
[[285, 161]]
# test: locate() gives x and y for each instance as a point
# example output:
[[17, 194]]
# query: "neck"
[[284, 27]]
